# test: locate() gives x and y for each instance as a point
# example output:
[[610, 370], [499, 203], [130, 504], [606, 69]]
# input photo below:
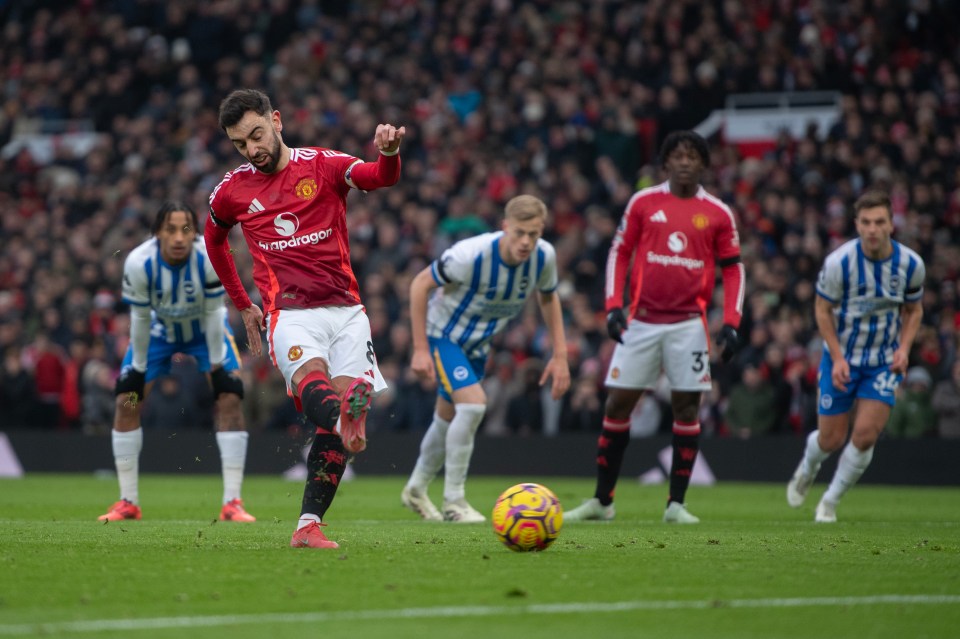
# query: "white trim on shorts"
[[679, 350], [339, 335]]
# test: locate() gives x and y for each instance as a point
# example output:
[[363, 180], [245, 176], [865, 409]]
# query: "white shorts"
[[339, 335], [680, 350]]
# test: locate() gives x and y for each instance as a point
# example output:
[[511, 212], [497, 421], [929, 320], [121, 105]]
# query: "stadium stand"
[[106, 108]]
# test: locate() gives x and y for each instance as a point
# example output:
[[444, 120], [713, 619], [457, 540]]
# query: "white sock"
[[306, 519], [463, 427], [233, 457], [813, 455], [432, 450], [850, 467], [126, 455]]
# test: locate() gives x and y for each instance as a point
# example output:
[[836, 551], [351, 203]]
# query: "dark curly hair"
[[677, 138]]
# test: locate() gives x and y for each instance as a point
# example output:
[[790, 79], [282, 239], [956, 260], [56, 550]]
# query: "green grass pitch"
[[752, 568]]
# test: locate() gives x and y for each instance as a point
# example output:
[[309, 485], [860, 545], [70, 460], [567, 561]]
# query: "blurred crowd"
[[108, 108]]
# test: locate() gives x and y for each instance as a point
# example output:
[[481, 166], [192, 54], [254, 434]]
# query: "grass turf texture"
[[753, 568]]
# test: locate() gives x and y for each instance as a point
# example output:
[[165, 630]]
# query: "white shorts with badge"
[[680, 350], [339, 335]]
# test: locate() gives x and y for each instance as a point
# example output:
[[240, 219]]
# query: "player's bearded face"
[[265, 158], [257, 138]]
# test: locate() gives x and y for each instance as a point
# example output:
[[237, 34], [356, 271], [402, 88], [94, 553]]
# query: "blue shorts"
[[160, 353], [866, 382], [454, 369]]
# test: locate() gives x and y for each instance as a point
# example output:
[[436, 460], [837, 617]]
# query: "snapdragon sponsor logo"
[[674, 260], [287, 224]]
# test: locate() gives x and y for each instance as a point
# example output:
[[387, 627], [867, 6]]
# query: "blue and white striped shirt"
[[868, 295], [178, 295], [479, 294]]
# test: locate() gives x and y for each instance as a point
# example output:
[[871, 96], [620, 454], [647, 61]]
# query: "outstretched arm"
[[557, 367], [368, 176]]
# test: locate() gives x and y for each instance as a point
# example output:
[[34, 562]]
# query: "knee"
[[474, 414], [830, 441]]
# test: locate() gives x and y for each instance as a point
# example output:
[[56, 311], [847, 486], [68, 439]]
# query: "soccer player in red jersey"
[[290, 204], [676, 234]]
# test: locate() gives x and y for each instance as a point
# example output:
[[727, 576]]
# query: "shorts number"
[[699, 360], [370, 355]]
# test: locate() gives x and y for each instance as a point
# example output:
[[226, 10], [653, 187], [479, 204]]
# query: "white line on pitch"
[[100, 625]]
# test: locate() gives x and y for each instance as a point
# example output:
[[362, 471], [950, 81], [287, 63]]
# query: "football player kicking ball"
[[868, 310], [176, 306], [486, 281], [290, 204], [672, 232]]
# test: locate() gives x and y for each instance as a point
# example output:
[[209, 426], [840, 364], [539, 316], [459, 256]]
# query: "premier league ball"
[[527, 517]]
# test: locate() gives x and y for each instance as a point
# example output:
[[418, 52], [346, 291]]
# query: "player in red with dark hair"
[[291, 207], [675, 233]]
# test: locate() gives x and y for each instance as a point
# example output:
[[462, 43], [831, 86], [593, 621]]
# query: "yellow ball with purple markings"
[[527, 517]]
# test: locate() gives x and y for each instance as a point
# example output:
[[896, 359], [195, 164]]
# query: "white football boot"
[[420, 503], [591, 509], [676, 513], [460, 512]]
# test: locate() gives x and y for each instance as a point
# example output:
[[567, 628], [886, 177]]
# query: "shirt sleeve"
[[454, 266], [915, 278], [618, 261], [140, 320], [830, 280], [368, 176], [215, 234], [136, 285], [549, 278]]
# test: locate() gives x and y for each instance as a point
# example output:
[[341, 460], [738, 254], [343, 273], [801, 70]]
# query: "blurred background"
[[107, 108]]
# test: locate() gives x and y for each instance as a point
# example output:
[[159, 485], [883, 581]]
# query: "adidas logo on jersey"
[[255, 207], [659, 216]]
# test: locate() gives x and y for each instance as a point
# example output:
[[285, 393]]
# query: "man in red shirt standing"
[[673, 232], [290, 204]]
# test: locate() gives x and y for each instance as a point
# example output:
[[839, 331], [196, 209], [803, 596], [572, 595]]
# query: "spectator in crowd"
[[751, 407], [913, 415], [946, 403], [565, 100]]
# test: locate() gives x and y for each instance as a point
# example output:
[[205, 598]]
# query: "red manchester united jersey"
[[295, 225], [674, 243]]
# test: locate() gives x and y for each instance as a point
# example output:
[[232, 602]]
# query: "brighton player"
[[486, 281], [290, 204], [868, 312], [176, 306], [673, 233]]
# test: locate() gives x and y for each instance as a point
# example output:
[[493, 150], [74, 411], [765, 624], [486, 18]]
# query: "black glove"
[[616, 324], [131, 381], [729, 341]]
